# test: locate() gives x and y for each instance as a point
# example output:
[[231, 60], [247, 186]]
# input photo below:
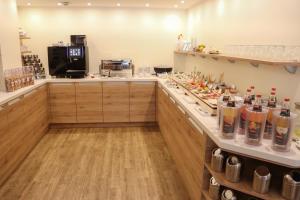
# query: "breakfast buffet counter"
[[203, 122]]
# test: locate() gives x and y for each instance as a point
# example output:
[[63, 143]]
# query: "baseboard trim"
[[104, 125]]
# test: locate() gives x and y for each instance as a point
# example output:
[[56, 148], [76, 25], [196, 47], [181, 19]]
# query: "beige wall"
[[223, 22], [146, 36], [9, 36]]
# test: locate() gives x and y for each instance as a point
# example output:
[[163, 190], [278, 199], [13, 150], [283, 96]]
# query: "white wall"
[[146, 36], [218, 23], [9, 37]]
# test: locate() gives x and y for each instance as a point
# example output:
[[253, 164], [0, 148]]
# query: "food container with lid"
[[255, 126], [214, 189], [217, 160], [283, 127], [291, 185], [228, 195]]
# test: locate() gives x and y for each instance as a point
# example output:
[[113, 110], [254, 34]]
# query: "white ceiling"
[[113, 3]]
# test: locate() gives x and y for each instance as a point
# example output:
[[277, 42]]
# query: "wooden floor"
[[97, 163]]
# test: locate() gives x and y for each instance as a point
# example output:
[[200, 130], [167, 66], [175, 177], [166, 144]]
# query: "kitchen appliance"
[[162, 69], [233, 169], [117, 68], [261, 180], [69, 61]]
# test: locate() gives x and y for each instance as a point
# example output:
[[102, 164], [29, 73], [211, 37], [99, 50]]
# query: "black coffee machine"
[[69, 61]]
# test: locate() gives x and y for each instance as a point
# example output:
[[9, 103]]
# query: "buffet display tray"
[[206, 105]]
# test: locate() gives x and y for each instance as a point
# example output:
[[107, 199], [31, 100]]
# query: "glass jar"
[[283, 128], [229, 121], [255, 126]]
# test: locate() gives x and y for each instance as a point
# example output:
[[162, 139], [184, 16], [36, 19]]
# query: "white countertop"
[[209, 125], [204, 122]]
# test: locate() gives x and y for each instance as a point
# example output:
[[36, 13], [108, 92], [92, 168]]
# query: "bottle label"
[[281, 135], [243, 119], [272, 104], [254, 129], [228, 124]]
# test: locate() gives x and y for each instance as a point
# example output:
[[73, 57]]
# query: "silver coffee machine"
[[116, 68]]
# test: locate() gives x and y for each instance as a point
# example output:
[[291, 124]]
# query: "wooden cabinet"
[[22, 124], [62, 103], [89, 102], [116, 101], [185, 142], [142, 101]]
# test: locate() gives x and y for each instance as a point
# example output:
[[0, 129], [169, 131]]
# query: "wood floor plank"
[[130, 163]]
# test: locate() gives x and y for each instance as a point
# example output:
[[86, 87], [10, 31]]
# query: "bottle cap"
[[286, 99], [252, 87], [273, 93], [248, 90], [258, 95], [273, 89]]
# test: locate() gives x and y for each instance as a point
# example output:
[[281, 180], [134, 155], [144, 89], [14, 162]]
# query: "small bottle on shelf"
[[243, 113], [252, 93], [255, 123], [222, 100], [272, 106], [283, 124]]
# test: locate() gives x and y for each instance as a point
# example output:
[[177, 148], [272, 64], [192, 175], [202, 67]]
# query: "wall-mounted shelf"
[[24, 52], [244, 186], [289, 66]]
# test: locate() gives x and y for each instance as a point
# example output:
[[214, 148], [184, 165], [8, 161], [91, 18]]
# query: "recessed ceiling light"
[[28, 4], [59, 4], [175, 6], [147, 4], [89, 4], [118, 4], [182, 2]]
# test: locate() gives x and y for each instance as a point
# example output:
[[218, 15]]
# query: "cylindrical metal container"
[[228, 195], [261, 180], [217, 160], [233, 169], [291, 186], [214, 189]]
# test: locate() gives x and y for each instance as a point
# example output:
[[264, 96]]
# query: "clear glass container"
[[283, 128], [255, 126], [229, 121]]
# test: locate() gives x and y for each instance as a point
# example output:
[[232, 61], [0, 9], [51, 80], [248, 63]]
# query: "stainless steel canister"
[[228, 195], [214, 189], [291, 186], [217, 160], [261, 180], [233, 169]]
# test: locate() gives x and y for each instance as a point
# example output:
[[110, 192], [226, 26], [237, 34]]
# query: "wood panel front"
[[89, 102], [116, 102], [62, 103], [142, 101], [184, 142]]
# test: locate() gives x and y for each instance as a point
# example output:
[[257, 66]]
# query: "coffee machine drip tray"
[[75, 73]]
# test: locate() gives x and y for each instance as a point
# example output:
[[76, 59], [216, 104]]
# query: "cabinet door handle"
[[172, 100], [179, 107], [195, 125], [165, 92]]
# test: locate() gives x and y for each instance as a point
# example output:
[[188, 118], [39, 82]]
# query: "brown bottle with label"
[[272, 104], [243, 112]]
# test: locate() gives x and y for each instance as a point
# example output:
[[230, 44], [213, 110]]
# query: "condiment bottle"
[[272, 106], [229, 118], [243, 112], [252, 93], [223, 99], [283, 124], [255, 123]]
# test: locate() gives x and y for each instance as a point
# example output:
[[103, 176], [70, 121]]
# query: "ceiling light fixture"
[[147, 4], [28, 4], [89, 3], [59, 4], [182, 2], [175, 6], [118, 4]]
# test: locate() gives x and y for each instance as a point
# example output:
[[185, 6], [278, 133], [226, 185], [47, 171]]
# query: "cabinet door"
[[62, 103], [116, 101], [142, 102], [3, 130], [89, 102]]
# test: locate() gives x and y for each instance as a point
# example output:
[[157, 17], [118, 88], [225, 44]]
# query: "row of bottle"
[[255, 120]]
